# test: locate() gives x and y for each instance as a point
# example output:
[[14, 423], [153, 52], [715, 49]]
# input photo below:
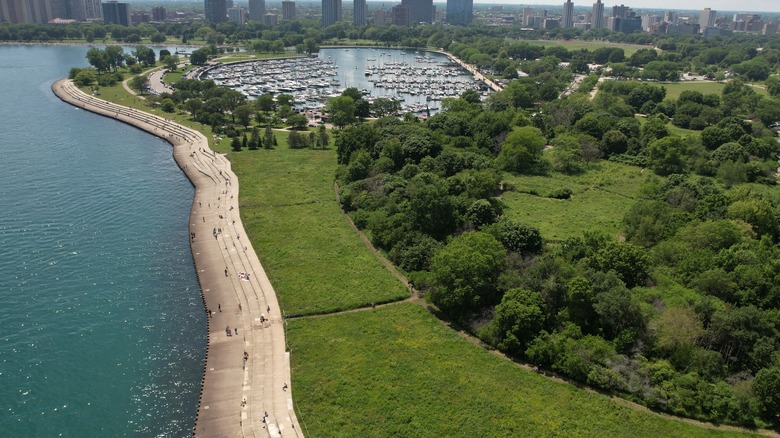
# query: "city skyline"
[[719, 5]]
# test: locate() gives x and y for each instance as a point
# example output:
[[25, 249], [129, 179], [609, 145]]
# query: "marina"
[[418, 80]]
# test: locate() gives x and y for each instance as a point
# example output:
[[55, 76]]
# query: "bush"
[[562, 193]]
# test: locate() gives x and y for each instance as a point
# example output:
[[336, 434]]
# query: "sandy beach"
[[246, 388]]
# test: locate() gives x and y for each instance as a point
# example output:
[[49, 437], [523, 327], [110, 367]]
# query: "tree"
[[269, 139], [665, 156], [158, 38], [382, 107], [244, 113], [517, 237], [297, 121], [200, 56], [115, 56], [144, 55], [140, 83], [766, 387], [322, 137], [265, 103], [465, 272], [517, 320], [235, 144], [97, 58], [85, 77], [341, 110], [171, 62], [521, 151]]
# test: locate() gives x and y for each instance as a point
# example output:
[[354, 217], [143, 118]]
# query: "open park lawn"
[[398, 371], [600, 198], [572, 45], [315, 261]]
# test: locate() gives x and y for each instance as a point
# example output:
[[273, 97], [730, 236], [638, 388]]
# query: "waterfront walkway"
[[246, 388]]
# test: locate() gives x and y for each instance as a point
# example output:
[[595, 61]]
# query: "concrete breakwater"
[[246, 382]]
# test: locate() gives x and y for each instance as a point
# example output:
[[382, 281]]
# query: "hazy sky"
[[718, 5]]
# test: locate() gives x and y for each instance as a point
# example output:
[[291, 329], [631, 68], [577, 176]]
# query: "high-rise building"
[[216, 11], [460, 12], [237, 15], [597, 20], [527, 14], [331, 12], [116, 13], [568, 14], [670, 17], [621, 11], [380, 17], [270, 19], [26, 11], [93, 9], [256, 10], [288, 10], [359, 12], [401, 15], [420, 11], [707, 18], [158, 13]]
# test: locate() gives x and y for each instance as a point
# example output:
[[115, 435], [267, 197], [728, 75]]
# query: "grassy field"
[[397, 371], [314, 259], [628, 49], [600, 199], [673, 89]]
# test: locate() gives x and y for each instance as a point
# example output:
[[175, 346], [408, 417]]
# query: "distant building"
[[380, 18], [567, 20], [597, 20], [400, 15], [27, 11], [158, 13], [288, 10], [707, 18], [359, 12], [93, 9], [116, 13], [527, 14], [627, 24], [139, 17], [420, 11], [682, 29], [256, 10], [331, 12], [270, 19], [460, 12], [238, 15], [621, 11], [216, 11]]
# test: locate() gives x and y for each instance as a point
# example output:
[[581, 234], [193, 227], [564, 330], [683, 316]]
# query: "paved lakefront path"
[[246, 383]]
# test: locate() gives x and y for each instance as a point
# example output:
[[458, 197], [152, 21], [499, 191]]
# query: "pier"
[[246, 388]]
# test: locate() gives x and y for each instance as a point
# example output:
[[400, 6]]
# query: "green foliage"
[[521, 152], [464, 273]]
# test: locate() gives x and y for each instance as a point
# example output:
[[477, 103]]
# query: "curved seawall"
[[246, 382]]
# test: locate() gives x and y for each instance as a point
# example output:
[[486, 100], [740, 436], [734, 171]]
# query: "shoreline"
[[246, 387]]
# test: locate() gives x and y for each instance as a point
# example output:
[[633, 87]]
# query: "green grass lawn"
[[600, 199], [397, 371], [315, 261], [628, 49], [673, 89]]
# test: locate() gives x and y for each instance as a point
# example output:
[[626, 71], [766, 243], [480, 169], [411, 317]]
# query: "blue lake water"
[[103, 329]]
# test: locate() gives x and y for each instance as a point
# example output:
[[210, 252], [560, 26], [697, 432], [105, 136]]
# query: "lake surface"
[[103, 328]]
